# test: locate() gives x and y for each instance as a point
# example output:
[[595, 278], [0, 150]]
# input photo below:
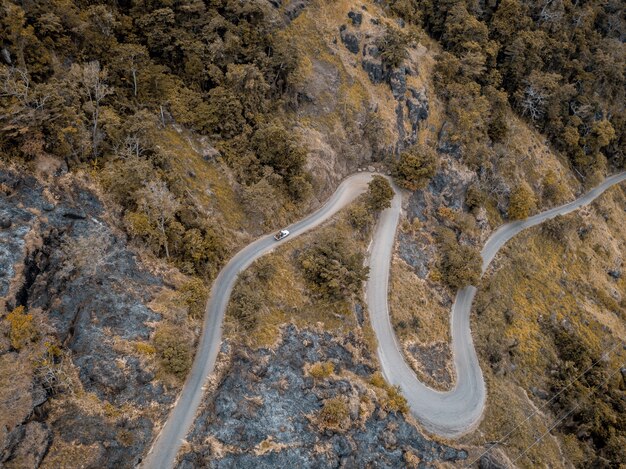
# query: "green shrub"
[[194, 294], [460, 265], [321, 370], [334, 266], [379, 194], [22, 330], [359, 217], [415, 167], [521, 202], [173, 350], [335, 414]]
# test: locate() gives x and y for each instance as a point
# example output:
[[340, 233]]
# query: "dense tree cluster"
[[333, 266], [590, 396], [90, 82], [416, 166], [460, 265], [560, 64]]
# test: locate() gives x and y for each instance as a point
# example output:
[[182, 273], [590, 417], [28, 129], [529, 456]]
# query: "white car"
[[281, 234]]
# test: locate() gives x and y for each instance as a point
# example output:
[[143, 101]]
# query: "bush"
[[475, 198], [333, 266], [359, 217], [393, 47], [194, 294], [394, 400], [321, 370], [379, 194], [22, 330], [415, 167], [335, 414], [553, 189], [173, 350], [521, 202], [556, 228], [245, 304]]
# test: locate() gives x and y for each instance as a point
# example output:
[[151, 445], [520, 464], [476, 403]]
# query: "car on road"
[[281, 234]]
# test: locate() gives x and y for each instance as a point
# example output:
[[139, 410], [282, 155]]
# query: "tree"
[[131, 58], [393, 47], [334, 266], [461, 265], [86, 254], [522, 202], [379, 193], [95, 89], [225, 113], [160, 205], [278, 148], [249, 85], [415, 167]]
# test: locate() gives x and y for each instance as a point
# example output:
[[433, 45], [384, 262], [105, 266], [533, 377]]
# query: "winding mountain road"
[[449, 413]]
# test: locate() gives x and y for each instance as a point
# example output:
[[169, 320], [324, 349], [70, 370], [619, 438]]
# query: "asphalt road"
[[455, 412], [162, 455], [450, 413]]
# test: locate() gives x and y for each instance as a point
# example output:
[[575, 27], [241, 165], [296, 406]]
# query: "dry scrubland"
[[313, 94], [542, 283]]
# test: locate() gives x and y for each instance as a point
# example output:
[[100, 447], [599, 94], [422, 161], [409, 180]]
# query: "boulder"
[[295, 7], [417, 105], [5, 223], [349, 40], [488, 461], [357, 18], [616, 274], [372, 64], [397, 82]]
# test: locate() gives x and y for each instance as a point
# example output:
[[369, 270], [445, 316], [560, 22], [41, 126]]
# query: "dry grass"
[[208, 184], [540, 281], [287, 298]]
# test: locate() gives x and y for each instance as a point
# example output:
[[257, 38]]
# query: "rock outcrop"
[[85, 299], [263, 413]]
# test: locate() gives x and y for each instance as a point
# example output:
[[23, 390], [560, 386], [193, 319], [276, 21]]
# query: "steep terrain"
[[143, 143], [75, 383]]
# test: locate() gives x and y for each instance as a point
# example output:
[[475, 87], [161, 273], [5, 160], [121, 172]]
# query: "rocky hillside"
[[143, 143], [74, 383]]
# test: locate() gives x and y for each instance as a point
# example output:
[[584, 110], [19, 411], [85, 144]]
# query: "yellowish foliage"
[[22, 330]]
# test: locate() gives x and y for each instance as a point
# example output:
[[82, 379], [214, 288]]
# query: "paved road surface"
[[459, 410], [164, 450], [446, 413]]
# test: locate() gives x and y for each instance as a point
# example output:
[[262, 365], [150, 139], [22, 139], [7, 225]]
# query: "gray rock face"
[[445, 144], [84, 309], [489, 461], [266, 394], [417, 105], [372, 64], [27, 445], [397, 82], [415, 253], [349, 40], [295, 7], [356, 17]]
